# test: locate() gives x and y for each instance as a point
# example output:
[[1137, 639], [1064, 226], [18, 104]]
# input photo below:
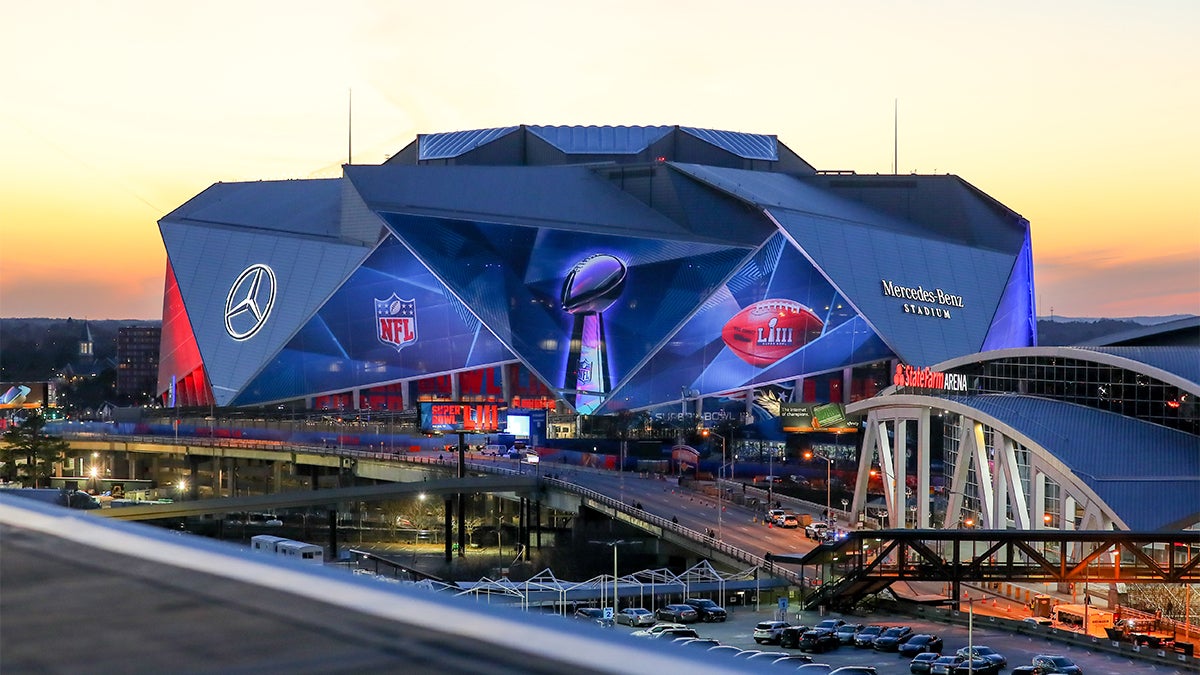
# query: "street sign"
[[783, 602], [608, 612]]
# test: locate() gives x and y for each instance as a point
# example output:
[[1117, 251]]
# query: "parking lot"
[[1019, 649]]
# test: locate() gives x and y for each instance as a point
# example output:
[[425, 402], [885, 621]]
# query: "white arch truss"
[[1004, 500]]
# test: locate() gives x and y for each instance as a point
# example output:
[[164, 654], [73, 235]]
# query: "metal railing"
[[492, 466]]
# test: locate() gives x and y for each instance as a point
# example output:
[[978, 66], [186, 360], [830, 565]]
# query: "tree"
[[28, 441]]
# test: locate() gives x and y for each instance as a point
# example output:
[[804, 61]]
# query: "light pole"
[[809, 454], [720, 485], [614, 545], [770, 477]]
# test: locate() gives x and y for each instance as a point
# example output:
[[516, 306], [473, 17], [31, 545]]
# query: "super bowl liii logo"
[[396, 321]]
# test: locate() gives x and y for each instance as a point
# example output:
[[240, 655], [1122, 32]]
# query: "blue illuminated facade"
[[587, 269]]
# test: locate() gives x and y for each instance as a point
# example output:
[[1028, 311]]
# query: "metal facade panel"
[[298, 206], [208, 264], [564, 197], [765, 190], [863, 262], [454, 143], [747, 146], [1111, 453], [604, 140]]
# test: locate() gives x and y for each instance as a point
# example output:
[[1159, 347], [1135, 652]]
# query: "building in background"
[[666, 269], [137, 361]]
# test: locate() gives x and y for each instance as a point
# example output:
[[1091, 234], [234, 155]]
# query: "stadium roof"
[[1147, 473]]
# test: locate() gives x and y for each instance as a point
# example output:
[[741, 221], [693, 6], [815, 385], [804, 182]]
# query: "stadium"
[[585, 270]]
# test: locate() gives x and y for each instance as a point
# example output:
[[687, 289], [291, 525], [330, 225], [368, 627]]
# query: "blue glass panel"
[[391, 320], [729, 343], [532, 287]]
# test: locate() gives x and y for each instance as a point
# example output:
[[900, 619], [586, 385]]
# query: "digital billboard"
[[810, 417], [454, 417]]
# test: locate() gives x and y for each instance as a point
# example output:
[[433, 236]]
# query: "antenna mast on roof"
[[350, 127], [896, 136]]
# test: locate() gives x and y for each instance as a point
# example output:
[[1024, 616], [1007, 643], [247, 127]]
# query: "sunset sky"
[[1084, 117]]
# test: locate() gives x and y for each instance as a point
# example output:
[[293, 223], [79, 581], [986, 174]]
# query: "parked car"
[[593, 615], [707, 610], [657, 628], [792, 661], [921, 663], [815, 669], [817, 530], [923, 642], [790, 637], [670, 634], [697, 643], [891, 639], [635, 616], [768, 632], [677, 613], [986, 653], [866, 637], [818, 641], [945, 665], [1039, 620], [854, 670], [846, 632], [830, 625], [977, 666], [790, 521], [725, 650], [767, 657], [775, 516], [1052, 663]]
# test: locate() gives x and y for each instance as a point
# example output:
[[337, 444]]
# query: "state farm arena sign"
[[936, 303], [911, 377]]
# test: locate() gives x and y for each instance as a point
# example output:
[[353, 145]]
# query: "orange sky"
[[1080, 116]]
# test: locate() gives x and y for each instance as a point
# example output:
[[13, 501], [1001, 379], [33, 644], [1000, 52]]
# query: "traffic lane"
[[1018, 649], [739, 526]]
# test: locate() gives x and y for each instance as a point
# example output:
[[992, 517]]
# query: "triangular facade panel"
[[391, 320], [930, 300], [247, 292], [775, 318]]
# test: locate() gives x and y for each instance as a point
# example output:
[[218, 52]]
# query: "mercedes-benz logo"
[[249, 302]]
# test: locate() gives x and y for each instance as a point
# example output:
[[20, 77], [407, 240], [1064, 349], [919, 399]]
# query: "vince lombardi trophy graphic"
[[590, 288]]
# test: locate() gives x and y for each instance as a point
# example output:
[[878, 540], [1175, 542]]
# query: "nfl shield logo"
[[396, 321]]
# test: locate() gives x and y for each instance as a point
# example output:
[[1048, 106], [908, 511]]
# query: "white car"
[[657, 628], [635, 616], [768, 632], [817, 531]]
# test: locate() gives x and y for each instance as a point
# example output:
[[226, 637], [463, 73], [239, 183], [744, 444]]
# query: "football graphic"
[[593, 284], [769, 330]]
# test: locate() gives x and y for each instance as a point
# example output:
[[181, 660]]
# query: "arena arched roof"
[[1115, 428]]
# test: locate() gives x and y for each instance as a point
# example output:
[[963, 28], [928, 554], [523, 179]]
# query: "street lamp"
[[720, 485], [809, 454], [614, 545]]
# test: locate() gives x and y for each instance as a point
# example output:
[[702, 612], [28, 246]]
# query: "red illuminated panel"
[[179, 355]]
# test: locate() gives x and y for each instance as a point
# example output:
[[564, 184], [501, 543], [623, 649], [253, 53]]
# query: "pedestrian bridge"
[[868, 562]]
